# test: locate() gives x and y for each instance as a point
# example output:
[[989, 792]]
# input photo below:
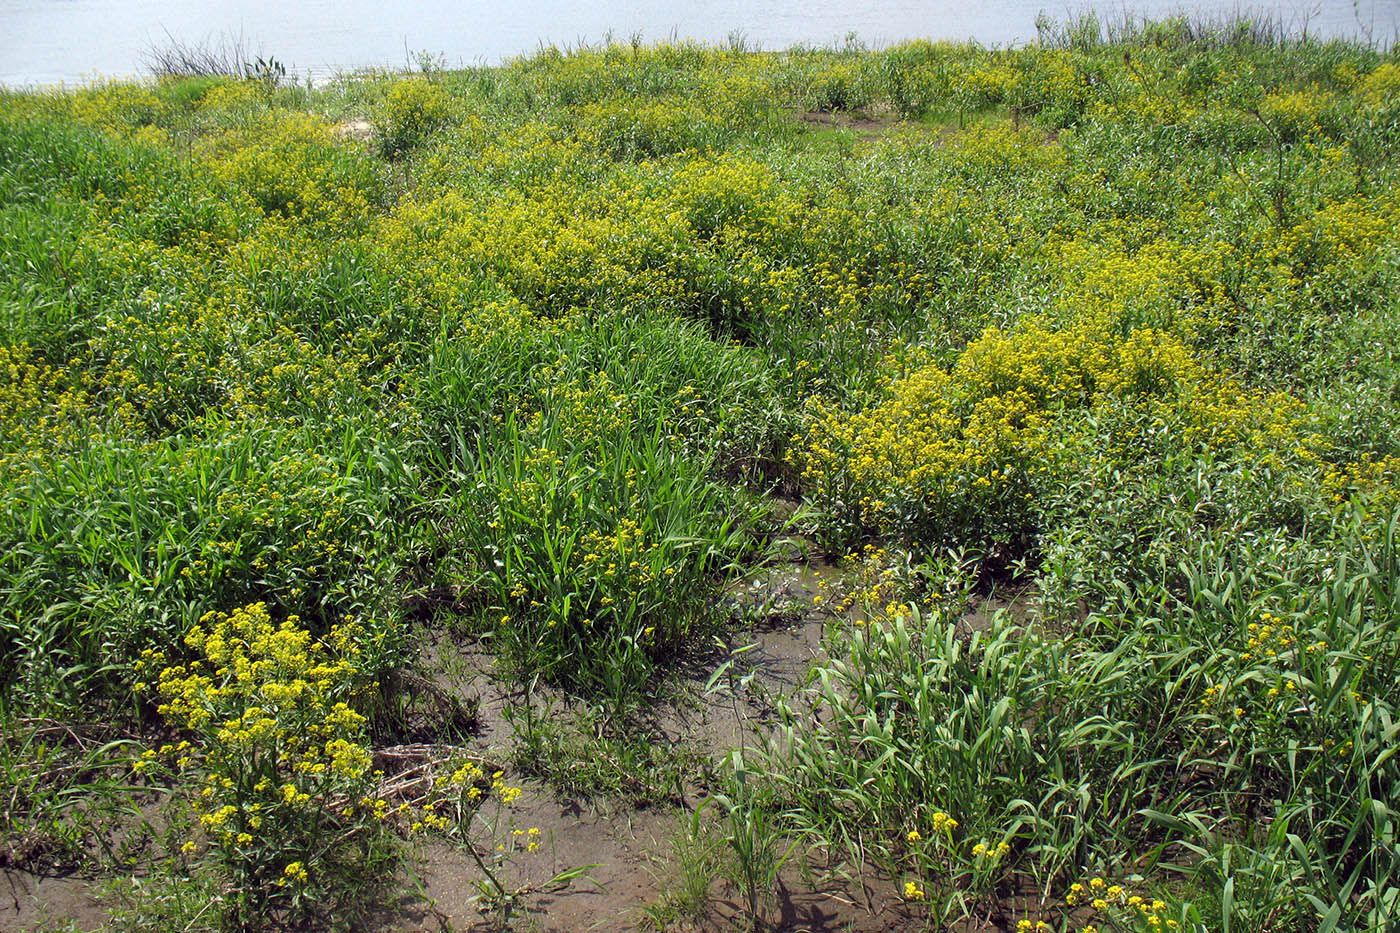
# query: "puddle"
[[1018, 604]]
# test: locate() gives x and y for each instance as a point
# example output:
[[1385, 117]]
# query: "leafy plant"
[[277, 768]]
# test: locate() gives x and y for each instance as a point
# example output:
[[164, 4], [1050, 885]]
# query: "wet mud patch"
[[615, 848], [1019, 603], [30, 901]]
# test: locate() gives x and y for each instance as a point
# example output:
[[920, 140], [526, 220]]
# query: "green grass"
[[1110, 317]]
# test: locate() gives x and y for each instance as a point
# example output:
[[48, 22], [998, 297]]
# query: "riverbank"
[[635, 446]]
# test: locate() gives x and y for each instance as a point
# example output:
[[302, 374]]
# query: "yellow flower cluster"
[[1381, 88], [290, 165], [983, 851], [1270, 638], [939, 448], [279, 757], [1116, 905], [529, 838], [1373, 481], [295, 872], [457, 795], [43, 409], [878, 584], [121, 109], [413, 110]]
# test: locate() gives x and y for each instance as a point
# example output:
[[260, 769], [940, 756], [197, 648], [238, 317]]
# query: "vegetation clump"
[[277, 769]]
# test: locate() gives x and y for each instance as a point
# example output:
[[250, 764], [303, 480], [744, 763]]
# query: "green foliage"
[[187, 92], [414, 110], [67, 791], [172, 529], [589, 755], [1050, 753], [600, 557], [290, 165], [696, 857], [1113, 313]]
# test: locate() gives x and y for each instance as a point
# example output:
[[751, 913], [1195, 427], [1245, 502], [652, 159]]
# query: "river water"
[[72, 41]]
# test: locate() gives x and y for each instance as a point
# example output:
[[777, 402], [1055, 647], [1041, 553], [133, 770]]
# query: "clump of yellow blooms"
[[1381, 87], [1373, 481], [529, 838], [292, 167], [44, 409], [941, 451], [881, 584], [983, 851], [939, 857], [1273, 689], [277, 761], [1101, 902], [414, 110], [119, 108]]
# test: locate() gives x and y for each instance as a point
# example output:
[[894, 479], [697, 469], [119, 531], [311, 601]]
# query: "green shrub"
[[414, 110], [594, 549]]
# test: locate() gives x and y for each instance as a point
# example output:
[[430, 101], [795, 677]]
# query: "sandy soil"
[[29, 901]]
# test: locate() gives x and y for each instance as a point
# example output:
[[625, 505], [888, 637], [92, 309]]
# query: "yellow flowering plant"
[[275, 765], [413, 111], [1102, 905], [474, 809], [943, 454]]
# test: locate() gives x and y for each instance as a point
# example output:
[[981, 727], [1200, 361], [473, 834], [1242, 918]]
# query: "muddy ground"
[[632, 848]]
